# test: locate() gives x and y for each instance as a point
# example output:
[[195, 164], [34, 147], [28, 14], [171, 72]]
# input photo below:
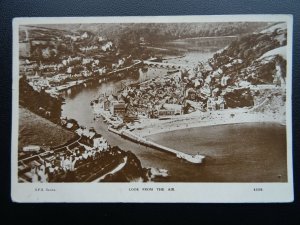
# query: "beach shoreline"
[[205, 119]]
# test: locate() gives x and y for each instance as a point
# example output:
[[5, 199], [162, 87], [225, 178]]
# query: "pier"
[[141, 140]]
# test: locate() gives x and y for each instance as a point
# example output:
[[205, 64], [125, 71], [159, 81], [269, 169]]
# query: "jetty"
[[141, 140]]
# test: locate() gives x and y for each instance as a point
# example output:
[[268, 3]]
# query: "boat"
[[172, 71]]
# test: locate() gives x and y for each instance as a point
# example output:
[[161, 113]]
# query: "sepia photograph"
[[152, 100]]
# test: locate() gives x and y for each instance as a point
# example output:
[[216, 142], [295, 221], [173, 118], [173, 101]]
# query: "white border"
[[119, 192]]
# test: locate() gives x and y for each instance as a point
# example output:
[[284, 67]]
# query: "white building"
[[177, 108], [86, 60], [84, 36], [31, 148], [224, 80], [100, 143]]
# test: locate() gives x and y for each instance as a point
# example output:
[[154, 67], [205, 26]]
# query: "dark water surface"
[[235, 153]]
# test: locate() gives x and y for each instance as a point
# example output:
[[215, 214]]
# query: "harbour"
[[212, 169]]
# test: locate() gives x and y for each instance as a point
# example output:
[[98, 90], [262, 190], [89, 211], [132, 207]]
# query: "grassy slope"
[[35, 130]]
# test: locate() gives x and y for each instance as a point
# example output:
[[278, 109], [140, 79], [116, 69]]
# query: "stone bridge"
[[166, 65]]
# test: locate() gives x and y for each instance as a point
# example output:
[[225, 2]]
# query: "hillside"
[[258, 58], [254, 57], [162, 31], [50, 43], [35, 130]]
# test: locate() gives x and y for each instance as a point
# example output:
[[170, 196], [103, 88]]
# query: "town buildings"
[[43, 164]]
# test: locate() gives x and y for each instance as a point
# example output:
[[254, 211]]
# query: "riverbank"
[[148, 127], [56, 90]]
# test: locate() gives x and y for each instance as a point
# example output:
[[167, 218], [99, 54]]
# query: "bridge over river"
[[166, 65]]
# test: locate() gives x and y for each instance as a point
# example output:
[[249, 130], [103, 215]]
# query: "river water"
[[253, 152]]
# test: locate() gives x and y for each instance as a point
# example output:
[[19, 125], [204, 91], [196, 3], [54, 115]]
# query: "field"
[[35, 130]]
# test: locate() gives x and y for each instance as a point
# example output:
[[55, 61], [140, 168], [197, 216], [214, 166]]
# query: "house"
[[216, 103], [106, 104], [84, 35], [100, 39], [32, 148], [40, 84], [86, 60], [29, 68], [208, 79], [191, 94], [197, 83], [218, 73], [165, 112], [88, 48], [100, 143], [205, 90], [142, 40], [32, 78], [142, 112], [86, 73], [102, 70], [118, 108], [173, 107], [69, 70], [195, 105], [221, 103], [71, 59], [224, 80], [106, 46], [211, 104], [121, 62], [87, 136], [215, 92], [108, 101]]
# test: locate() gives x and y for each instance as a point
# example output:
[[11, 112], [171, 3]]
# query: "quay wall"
[[105, 76]]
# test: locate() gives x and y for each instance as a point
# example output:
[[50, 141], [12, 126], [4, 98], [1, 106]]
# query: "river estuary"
[[254, 152]]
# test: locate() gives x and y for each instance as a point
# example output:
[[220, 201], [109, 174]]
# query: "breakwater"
[[141, 140]]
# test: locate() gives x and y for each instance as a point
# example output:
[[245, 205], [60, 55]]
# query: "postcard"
[[152, 109]]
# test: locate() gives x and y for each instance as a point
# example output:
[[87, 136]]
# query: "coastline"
[[205, 119]]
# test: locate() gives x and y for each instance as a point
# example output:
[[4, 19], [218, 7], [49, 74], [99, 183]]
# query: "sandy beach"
[[201, 119], [146, 127]]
